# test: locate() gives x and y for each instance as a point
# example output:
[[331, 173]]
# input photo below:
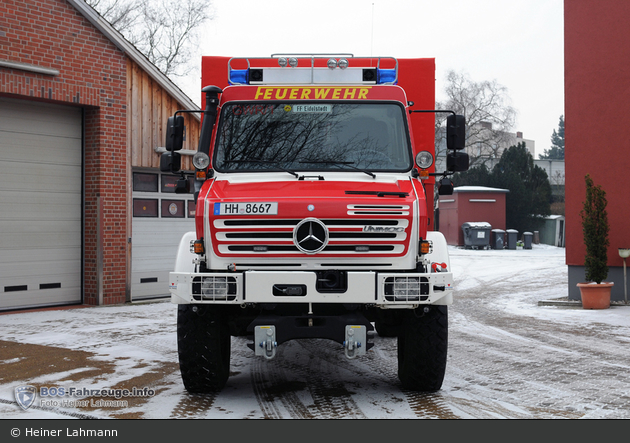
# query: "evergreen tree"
[[556, 152], [596, 229], [478, 175], [529, 199]]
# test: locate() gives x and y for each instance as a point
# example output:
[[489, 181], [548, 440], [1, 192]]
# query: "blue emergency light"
[[239, 77], [386, 76]]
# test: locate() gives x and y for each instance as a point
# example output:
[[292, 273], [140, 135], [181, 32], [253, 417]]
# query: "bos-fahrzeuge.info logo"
[[26, 395]]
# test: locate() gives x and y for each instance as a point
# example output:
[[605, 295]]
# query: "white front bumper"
[[363, 287]]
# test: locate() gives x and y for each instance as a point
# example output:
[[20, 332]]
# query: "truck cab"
[[312, 218]]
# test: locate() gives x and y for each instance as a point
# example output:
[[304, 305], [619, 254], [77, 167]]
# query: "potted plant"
[[595, 291]]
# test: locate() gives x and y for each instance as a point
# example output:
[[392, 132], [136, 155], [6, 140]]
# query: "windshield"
[[312, 136]]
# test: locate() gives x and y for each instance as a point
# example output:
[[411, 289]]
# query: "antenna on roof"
[[372, 36]]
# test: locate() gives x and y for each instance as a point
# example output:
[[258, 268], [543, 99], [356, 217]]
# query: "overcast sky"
[[518, 43]]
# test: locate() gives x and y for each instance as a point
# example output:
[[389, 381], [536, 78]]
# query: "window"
[[173, 208], [154, 196], [144, 182], [312, 136], [145, 207], [169, 183]]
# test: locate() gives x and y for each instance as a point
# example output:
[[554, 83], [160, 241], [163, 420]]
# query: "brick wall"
[[92, 74]]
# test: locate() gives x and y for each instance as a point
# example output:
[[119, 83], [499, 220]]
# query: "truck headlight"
[[201, 160], [424, 159]]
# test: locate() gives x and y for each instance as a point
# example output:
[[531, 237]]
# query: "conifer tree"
[[595, 227], [556, 152]]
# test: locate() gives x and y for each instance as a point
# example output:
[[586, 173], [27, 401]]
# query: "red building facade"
[[597, 115]]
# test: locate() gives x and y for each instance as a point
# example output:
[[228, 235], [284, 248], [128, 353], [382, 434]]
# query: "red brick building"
[[597, 115], [81, 113]]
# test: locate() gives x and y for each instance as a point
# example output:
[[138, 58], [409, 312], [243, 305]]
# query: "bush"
[[595, 228]]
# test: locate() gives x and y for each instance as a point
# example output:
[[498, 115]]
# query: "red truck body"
[[417, 81]]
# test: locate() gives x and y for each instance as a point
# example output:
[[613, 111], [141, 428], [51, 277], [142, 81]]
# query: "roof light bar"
[[314, 74]]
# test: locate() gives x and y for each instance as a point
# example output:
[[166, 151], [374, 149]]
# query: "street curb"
[[564, 302]]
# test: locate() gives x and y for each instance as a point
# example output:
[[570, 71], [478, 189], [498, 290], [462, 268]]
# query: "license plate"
[[246, 208]]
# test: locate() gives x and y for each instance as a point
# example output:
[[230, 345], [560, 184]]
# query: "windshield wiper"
[[338, 163], [265, 161]]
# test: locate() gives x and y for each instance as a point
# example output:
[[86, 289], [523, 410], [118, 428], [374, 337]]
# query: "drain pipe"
[[624, 253]]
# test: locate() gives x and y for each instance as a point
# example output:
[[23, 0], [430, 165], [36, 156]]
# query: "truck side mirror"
[[175, 133], [445, 187], [183, 185], [457, 161], [455, 132], [170, 162]]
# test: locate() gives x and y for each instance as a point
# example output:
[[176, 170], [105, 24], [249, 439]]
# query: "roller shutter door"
[[41, 204], [160, 219]]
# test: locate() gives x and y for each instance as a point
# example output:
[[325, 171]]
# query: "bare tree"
[[164, 30], [489, 116], [121, 14]]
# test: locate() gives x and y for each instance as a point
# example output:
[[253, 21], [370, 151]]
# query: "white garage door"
[[40, 204], [160, 218]]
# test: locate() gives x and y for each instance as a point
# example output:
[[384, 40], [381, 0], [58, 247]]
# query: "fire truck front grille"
[[215, 288], [360, 236], [408, 289]]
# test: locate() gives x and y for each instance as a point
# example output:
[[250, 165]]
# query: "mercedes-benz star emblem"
[[310, 235]]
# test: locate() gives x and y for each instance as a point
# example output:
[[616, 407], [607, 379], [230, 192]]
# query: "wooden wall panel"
[[149, 107]]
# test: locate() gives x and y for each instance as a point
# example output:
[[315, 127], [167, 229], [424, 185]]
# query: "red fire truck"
[[314, 182]]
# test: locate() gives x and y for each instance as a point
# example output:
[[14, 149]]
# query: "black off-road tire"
[[422, 348], [203, 344]]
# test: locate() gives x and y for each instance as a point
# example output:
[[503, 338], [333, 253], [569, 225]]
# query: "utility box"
[[497, 239], [552, 231], [512, 238], [527, 240], [476, 235]]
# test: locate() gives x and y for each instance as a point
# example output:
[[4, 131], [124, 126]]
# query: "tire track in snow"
[[379, 366], [276, 391], [300, 384]]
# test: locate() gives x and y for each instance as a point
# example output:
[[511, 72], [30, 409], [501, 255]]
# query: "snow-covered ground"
[[509, 357]]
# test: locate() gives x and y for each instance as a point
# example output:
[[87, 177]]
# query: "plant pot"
[[594, 295]]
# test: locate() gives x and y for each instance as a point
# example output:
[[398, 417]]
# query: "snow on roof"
[[478, 189], [477, 225]]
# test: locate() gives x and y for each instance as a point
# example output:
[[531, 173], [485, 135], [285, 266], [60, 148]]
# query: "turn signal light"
[[425, 247], [198, 247]]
